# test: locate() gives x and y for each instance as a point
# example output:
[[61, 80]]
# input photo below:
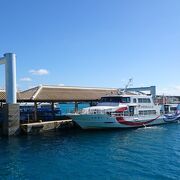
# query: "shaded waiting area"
[[59, 94]]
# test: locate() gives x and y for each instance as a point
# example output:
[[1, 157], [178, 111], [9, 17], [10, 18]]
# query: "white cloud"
[[39, 72], [27, 79], [169, 90], [61, 85]]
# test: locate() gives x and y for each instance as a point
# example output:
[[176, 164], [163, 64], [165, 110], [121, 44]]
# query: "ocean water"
[[69, 107], [144, 153]]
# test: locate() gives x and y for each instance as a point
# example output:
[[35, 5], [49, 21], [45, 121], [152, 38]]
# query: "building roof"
[[64, 93], [2, 95]]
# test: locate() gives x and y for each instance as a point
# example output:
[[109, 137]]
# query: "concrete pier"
[[11, 116], [40, 127]]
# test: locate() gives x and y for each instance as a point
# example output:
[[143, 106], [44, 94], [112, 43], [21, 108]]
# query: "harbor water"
[[69, 107], [143, 153]]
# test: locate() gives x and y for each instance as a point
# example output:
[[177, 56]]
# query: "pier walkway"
[[39, 127]]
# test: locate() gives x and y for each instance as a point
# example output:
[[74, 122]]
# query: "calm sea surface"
[[144, 153], [69, 107]]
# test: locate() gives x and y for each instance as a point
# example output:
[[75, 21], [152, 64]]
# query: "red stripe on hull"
[[130, 123], [122, 109]]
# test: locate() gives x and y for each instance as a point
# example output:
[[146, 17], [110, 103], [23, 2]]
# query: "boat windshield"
[[115, 100]]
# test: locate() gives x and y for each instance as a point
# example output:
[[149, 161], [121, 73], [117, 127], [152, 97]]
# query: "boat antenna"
[[120, 91]]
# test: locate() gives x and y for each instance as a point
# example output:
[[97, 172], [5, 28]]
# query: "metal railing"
[[116, 114]]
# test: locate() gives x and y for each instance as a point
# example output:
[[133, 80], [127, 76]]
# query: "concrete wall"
[[11, 123]]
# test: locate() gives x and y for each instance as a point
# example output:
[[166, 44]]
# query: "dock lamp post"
[[11, 108]]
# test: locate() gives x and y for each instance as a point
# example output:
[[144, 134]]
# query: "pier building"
[[59, 94], [160, 99]]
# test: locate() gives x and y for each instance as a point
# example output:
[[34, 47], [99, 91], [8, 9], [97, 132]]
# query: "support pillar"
[[91, 103], [35, 111], [10, 69], [53, 113], [11, 113], [76, 107]]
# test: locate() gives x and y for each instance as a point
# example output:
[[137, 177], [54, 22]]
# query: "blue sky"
[[96, 43]]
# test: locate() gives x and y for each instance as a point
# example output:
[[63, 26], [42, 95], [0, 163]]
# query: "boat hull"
[[103, 121]]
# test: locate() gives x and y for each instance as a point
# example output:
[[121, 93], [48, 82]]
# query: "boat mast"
[[127, 85]]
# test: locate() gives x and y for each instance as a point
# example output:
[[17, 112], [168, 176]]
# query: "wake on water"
[[151, 128]]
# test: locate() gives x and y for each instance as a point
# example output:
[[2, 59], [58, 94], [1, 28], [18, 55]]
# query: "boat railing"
[[94, 111], [123, 114], [104, 111], [115, 114]]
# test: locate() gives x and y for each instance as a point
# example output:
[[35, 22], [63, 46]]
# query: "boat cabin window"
[[144, 100], [115, 99], [173, 108], [134, 100], [131, 110], [147, 112], [166, 109]]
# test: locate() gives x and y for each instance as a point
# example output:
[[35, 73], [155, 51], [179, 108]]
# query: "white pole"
[[10, 68]]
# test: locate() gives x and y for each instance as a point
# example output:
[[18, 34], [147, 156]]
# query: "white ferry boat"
[[123, 111]]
